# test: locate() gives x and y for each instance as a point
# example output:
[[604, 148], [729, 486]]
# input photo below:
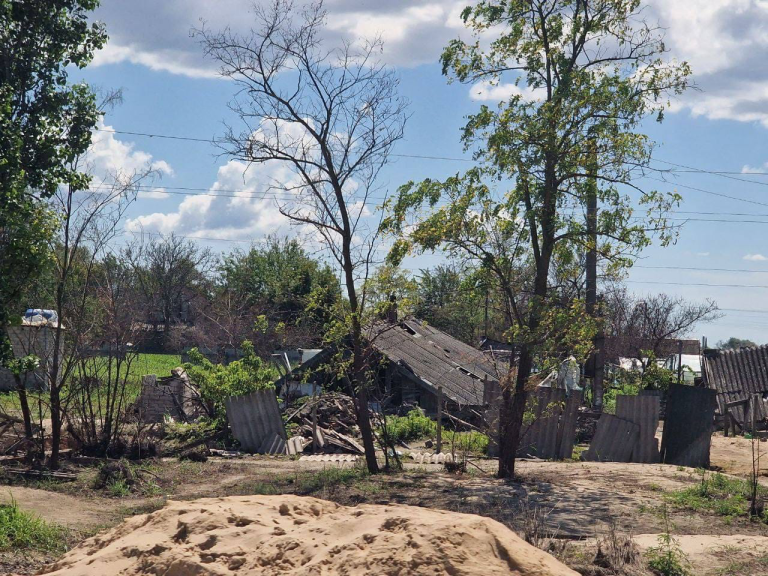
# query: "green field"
[[158, 364]]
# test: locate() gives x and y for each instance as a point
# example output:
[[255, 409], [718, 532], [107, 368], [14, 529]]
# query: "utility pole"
[[591, 264]]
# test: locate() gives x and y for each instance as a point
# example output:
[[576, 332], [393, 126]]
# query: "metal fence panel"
[[614, 440], [256, 422], [643, 411], [688, 426]]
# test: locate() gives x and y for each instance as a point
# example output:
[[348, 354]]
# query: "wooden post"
[[753, 404], [439, 419], [679, 361], [314, 419]]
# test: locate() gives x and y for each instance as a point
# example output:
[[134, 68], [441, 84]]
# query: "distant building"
[[35, 335]]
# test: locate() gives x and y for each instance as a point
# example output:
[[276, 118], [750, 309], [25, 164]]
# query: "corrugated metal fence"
[[553, 430], [256, 422]]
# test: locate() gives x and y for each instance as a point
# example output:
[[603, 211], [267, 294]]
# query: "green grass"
[[311, 482], [159, 364], [20, 530], [143, 364], [717, 493]]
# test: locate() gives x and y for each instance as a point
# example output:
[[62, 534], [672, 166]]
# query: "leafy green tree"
[[45, 123], [583, 75], [462, 302], [734, 343], [278, 279]]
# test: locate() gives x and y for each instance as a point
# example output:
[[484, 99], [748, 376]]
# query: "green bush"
[[667, 559], [21, 530], [216, 382], [414, 426], [473, 442]]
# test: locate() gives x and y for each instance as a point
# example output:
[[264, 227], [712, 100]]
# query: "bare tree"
[[332, 116], [171, 272], [90, 222], [638, 327]]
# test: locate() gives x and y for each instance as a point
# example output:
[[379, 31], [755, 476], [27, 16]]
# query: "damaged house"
[[417, 362]]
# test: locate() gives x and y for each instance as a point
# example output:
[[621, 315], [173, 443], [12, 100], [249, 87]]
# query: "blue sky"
[[723, 126]]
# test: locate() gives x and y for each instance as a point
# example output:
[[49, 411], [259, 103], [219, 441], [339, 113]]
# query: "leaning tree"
[[332, 115], [579, 77]]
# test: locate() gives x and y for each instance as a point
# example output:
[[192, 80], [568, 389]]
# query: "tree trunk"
[[55, 426], [26, 414], [512, 412]]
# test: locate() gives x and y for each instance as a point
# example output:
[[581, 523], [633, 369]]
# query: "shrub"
[[413, 426], [21, 530], [216, 382]]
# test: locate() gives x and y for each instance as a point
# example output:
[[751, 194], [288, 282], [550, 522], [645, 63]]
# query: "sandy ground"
[[734, 455], [574, 500], [273, 535], [81, 514]]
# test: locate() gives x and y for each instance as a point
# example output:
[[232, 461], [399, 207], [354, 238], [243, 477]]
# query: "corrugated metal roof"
[[436, 359], [735, 374]]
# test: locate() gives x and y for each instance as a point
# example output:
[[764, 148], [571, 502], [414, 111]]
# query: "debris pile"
[[286, 534], [336, 429]]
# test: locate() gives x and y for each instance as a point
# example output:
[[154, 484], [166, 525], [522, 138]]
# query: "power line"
[[698, 284], [707, 191], [213, 141], [702, 269]]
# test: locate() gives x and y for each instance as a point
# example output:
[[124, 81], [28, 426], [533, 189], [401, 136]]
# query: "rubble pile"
[[337, 430]]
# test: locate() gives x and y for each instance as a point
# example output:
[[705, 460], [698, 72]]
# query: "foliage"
[[20, 530], [472, 442], [413, 426], [654, 376], [734, 343], [458, 299], [279, 277], [591, 72], [216, 382], [717, 493], [668, 559], [44, 123]]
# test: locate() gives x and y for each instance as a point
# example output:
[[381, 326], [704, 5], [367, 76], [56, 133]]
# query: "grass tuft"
[[20, 530]]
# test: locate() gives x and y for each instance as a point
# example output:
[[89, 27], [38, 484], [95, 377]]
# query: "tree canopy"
[[45, 124], [583, 75]]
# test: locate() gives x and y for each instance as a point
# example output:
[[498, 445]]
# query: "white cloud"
[[250, 212], [702, 254], [157, 34], [726, 44], [154, 194], [111, 158], [485, 91], [755, 258], [746, 169]]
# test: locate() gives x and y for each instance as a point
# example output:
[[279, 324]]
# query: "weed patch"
[[413, 426], [20, 530], [717, 493]]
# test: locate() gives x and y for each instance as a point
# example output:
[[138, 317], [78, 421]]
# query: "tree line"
[[553, 192]]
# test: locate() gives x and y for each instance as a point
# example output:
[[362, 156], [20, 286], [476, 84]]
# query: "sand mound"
[[294, 535]]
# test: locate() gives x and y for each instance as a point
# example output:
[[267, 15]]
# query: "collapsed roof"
[[436, 359], [736, 375]]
